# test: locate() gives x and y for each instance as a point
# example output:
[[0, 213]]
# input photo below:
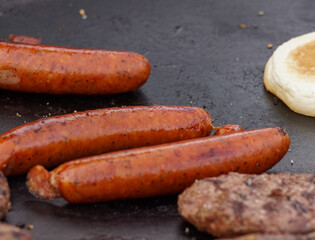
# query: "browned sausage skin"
[[54, 140], [162, 169], [65, 70]]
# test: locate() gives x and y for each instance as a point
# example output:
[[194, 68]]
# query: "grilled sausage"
[[54, 140], [65, 70], [158, 170], [24, 39], [227, 129]]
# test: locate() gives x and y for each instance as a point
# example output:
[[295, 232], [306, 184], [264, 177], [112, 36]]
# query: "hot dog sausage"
[[227, 129], [161, 169], [65, 70], [23, 39], [54, 140]]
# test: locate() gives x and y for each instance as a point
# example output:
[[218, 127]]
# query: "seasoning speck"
[[242, 26], [47, 103], [30, 226], [186, 230], [261, 13], [18, 115], [269, 46]]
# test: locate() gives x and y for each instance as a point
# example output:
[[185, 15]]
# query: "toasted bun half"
[[290, 74]]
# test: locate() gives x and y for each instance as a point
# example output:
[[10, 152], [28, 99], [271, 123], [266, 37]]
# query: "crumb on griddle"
[[82, 13], [30, 226]]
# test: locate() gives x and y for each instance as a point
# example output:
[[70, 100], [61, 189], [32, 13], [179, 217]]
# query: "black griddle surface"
[[199, 57]]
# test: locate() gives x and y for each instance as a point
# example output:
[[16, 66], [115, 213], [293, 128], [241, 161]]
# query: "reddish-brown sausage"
[[227, 129], [65, 70], [54, 140], [162, 169], [23, 39]]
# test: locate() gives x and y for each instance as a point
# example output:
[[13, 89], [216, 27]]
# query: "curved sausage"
[[227, 129], [64, 70], [54, 140], [162, 169]]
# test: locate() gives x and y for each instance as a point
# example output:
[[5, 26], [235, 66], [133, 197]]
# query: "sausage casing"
[[161, 169], [54, 140], [65, 70]]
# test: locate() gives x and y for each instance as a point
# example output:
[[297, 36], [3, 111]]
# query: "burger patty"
[[261, 236], [238, 204], [5, 203], [9, 232]]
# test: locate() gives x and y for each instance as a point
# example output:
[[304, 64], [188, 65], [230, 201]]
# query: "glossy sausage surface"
[[64, 70], [54, 140], [162, 169]]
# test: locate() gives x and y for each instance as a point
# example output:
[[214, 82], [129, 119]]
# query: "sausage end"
[[281, 131], [39, 183]]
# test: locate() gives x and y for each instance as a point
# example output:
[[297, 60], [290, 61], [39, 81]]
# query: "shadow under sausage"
[[42, 104], [161, 209], [128, 209]]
